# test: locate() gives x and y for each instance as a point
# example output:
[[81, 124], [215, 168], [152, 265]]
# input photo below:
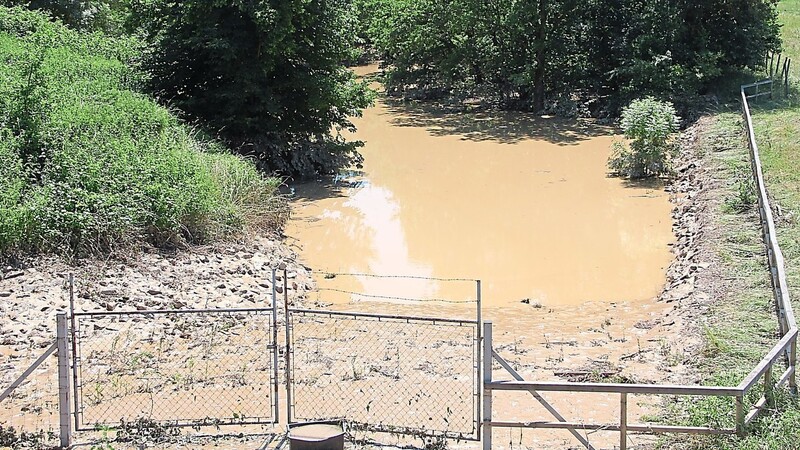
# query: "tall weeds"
[[88, 165]]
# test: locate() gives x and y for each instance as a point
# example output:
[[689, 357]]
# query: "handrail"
[[757, 83], [613, 388], [776, 262], [765, 211]]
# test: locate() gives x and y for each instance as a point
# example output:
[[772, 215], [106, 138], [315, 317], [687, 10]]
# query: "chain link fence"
[[385, 373], [192, 367]]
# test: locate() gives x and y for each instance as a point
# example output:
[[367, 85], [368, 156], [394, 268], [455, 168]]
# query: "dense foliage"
[[265, 75], [96, 15], [649, 126], [525, 54], [87, 164]]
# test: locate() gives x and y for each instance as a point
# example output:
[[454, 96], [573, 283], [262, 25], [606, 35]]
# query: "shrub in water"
[[649, 126]]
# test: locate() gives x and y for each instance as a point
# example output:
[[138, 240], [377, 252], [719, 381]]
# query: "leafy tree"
[[97, 15], [265, 75], [522, 53], [650, 127]]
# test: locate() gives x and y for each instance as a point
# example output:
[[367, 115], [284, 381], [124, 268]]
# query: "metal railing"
[[784, 350]]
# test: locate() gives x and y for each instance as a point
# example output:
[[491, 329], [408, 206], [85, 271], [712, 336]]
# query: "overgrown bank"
[[88, 165], [731, 310], [741, 324]]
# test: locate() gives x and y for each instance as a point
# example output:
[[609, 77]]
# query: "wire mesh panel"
[[396, 374], [175, 368]]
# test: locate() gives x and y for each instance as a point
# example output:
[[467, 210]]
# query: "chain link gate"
[[401, 374], [175, 368], [397, 374]]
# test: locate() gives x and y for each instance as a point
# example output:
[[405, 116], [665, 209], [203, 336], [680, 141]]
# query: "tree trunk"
[[538, 76]]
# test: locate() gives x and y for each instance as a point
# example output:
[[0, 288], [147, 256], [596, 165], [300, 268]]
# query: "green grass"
[[743, 326], [790, 18], [88, 165]]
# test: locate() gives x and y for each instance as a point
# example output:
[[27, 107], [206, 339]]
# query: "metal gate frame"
[[274, 374], [476, 374], [271, 348]]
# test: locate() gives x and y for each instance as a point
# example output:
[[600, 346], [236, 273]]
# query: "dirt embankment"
[[695, 279], [224, 276]]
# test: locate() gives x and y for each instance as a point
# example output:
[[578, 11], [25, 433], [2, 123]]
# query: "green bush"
[[88, 165], [649, 126]]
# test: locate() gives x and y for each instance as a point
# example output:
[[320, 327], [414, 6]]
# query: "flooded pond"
[[521, 202]]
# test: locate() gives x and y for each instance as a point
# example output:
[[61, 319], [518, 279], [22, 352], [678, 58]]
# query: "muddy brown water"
[[571, 260], [521, 202]]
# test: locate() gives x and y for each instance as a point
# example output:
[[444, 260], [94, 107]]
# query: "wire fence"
[[189, 367], [342, 287], [384, 373]]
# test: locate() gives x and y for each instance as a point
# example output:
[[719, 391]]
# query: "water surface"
[[521, 202]]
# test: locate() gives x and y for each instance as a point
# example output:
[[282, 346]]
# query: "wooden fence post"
[[487, 378], [62, 331], [771, 63], [786, 77]]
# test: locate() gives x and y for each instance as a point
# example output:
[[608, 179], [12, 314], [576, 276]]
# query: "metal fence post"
[[623, 421], [487, 378], [478, 350], [740, 415], [62, 331], [75, 353], [274, 348], [288, 352], [793, 365]]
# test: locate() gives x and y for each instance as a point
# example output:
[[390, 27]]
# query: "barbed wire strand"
[[412, 277], [389, 297]]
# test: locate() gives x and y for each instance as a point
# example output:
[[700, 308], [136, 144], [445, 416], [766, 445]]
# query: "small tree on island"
[[649, 126]]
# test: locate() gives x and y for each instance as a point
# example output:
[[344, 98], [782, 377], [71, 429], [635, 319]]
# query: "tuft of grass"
[[88, 165]]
